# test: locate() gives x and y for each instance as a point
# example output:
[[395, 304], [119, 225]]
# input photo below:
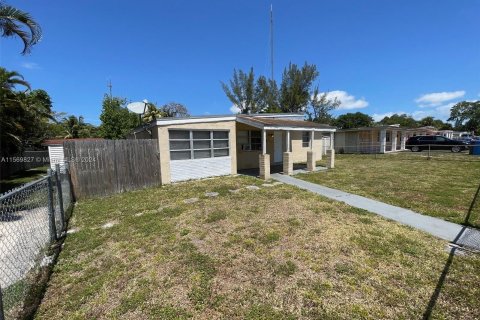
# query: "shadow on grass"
[[436, 293], [443, 276], [470, 209]]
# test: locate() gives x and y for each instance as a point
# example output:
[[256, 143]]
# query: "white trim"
[[160, 122], [276, 115], [250, 123], [299, 129], [282, 128]]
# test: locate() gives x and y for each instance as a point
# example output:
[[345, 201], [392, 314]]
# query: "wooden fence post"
[[60, 195]]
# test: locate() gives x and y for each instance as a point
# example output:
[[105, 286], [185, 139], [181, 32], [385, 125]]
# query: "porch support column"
[[394, 140], [312, 139], [331, 152], [383, 140], [331, 159], [403, 140], [311, 163], [287, 157], [287, 143], [264, 141], [264, 159], [332, 138]]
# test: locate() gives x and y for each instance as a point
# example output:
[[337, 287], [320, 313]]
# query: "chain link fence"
[[413, 152], [33, 218]]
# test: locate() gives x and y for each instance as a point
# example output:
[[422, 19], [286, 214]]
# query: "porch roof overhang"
[[284, 125]]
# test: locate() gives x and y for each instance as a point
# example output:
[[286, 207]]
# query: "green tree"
[[70, 127], [24, 114], [466, 115], [152, 113], [241, 91], [443, 125], [10, 79], [295, 89], [117, 121], [267, 95], [321, 107], [436, 123], [14, 22], [427, 122], [38, 113], [263, 95], [403, 120], [73, 127], [174, 110], [354, 120]]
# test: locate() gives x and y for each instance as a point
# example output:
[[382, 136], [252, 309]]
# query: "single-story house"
[[380, 139], [199, 147]]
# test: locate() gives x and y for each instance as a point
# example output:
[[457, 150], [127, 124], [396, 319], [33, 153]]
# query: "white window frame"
[[191, 141]]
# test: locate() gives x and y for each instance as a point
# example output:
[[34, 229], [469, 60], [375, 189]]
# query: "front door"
[[277, 146]]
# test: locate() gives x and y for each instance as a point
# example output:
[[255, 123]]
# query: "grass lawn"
[[22, 177], [273, 253], [442, 187]]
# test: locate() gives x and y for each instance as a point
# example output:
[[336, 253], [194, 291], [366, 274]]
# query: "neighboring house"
[[380, 139], [56, 153], [199, 147]]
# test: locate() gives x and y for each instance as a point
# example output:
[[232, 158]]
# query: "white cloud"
[[234, 109], [441, 112], [30, 65], [348, 101], [437, 98]]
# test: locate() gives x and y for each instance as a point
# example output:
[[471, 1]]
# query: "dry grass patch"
[[277, 253]]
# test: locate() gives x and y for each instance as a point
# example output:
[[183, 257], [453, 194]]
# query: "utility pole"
[[271, 37]]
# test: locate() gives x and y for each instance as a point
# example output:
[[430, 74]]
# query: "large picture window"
[[198, 144]]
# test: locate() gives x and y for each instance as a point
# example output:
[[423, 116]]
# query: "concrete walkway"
[[449, 231]]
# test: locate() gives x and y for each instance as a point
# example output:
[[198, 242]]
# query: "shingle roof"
[[285, 122]]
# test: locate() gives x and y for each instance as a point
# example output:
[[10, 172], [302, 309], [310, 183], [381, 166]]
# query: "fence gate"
[[104, 167]]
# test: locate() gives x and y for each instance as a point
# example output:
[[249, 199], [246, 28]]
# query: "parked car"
[[469, 139], [419, 143]]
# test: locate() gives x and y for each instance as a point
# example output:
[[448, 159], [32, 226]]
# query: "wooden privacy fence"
[[104, 167]]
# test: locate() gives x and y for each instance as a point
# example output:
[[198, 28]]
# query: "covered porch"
[[266, 145]]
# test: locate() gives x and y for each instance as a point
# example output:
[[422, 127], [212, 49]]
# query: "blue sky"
[[378, 57]]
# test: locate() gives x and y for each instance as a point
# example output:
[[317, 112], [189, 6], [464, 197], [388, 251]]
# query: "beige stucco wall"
[[164, 146], [250, 159], [299, 153]]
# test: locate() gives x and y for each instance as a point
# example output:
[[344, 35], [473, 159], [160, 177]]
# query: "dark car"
[[419, 143]]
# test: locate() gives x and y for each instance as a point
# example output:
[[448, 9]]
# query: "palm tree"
[[73, 126], [14, 22], [9, 79]]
